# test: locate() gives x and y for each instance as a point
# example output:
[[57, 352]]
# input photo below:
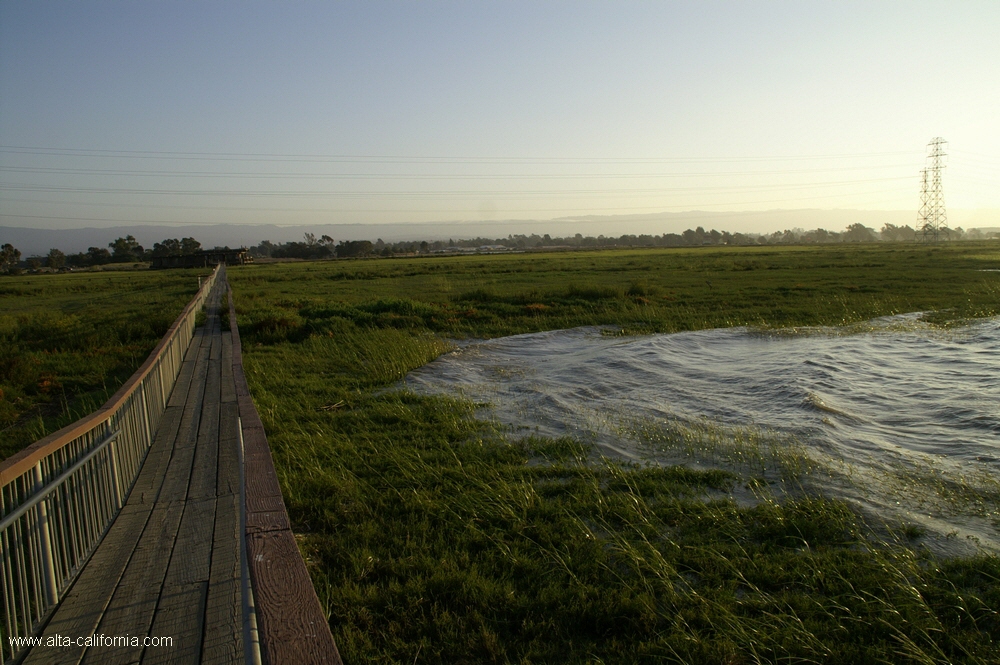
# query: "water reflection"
[[896, 416]]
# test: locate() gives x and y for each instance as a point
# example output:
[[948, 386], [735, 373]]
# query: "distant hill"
[[33, 241]]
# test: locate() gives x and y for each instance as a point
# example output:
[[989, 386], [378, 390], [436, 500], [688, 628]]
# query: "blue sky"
[[312, 112]]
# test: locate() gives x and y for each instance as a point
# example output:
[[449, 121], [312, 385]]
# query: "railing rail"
[[59, 495]]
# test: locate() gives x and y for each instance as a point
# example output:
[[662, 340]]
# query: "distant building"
[[203, 259]]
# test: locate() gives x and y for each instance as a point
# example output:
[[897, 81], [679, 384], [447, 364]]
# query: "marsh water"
[[896, 416]]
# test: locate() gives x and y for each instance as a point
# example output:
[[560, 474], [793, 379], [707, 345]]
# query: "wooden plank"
[[261, 478], [147, 484], [180, 606], [205, 471], [178, 472], [228, 385], [181, 615], [151, 476], [192, 402], [223, 635], [290, 620], [134, 602], [228, 481], [216, 353], [266, 514], [178, 393], [192, 555]]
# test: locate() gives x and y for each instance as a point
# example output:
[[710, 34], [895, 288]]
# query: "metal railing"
[[59, 496]]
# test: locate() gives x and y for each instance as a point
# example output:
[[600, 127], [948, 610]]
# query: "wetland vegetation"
[[433, 536], [67, 342]]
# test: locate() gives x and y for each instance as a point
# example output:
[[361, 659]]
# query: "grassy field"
[[68, 341], [434, 537]]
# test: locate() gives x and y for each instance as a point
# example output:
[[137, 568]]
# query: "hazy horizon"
[[38, 241]]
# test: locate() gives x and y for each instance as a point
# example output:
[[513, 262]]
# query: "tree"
[[354, 248], [34, 262], [858, 232], [168, 247], [78, 260], [126, 249], [9, 257], [265, 248], [56, 259], [98, 256], [190, 246], [893, 233]]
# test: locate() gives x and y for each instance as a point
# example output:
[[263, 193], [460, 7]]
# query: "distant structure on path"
[[933, 221], [204, 258]]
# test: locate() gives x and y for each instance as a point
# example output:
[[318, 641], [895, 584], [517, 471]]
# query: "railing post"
[[45, 538], [144, 412], [116, 486]]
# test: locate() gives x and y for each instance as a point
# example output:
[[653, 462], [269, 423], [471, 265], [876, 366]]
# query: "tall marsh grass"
[[433, 536], [68, 341]]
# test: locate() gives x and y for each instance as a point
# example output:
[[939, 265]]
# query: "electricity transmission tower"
[[933, 222]]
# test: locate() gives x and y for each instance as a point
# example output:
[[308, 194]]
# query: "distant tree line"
[[325, 247], [128, 250], [120, 250]]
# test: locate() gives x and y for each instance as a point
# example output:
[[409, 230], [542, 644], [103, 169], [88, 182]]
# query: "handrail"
[[59, 496], [49, 488]]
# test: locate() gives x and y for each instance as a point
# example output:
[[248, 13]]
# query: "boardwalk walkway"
[[169, 565]]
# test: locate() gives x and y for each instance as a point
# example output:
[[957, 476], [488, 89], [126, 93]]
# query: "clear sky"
[[340, 112]]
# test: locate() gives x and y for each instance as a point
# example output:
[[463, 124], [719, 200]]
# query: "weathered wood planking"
[[223, 639], [228, 481], [292, 624], [204, 474], [228, 385], [133, 605], [181, 615]]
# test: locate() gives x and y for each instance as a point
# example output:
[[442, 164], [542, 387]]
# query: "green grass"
[[68, 341], [436, 537], [639, 290]]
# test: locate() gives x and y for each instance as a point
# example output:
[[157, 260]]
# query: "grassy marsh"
[[433, 536], [68, 341]]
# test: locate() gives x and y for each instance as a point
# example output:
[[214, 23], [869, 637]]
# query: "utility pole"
[[933, 220]]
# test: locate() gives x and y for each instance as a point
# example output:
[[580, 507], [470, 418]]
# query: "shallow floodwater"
[[897, 416]]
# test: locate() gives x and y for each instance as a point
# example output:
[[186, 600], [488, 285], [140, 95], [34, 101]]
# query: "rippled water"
[[896, 416]]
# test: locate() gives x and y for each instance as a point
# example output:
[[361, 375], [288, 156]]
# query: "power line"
[[295, 193], [424, 176], [653, 207], [337, 158]]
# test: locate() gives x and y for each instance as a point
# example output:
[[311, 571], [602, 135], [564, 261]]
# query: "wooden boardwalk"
[[169, 565]]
